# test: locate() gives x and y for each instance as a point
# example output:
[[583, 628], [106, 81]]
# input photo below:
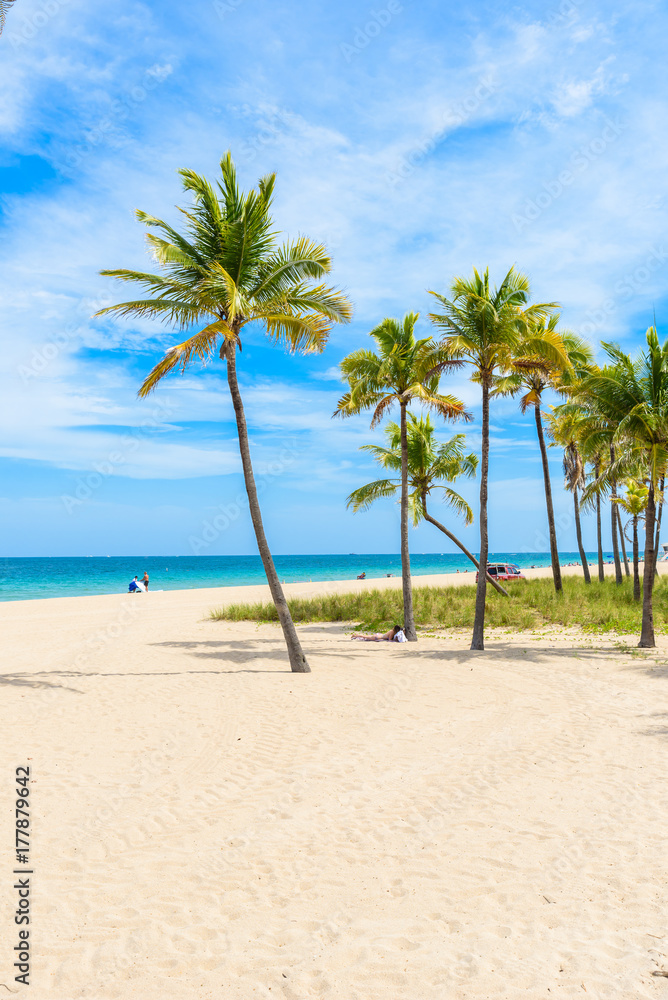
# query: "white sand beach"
[[407, 822]]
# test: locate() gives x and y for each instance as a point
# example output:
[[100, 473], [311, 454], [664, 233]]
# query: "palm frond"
[[364, 496], [200, 347], [226, 267], [4, 8]]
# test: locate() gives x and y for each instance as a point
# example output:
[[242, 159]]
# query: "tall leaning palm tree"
[[483, 327], [403, 369], [532, 381], [632, 395], [431, 469], [226, 269]]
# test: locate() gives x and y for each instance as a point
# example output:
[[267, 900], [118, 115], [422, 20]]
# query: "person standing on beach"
[[145, 580]]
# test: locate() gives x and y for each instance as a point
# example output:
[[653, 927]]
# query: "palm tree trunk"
[[578, 531], [599, 533], [298, 663], [647, 632], [453, 538], [613, 524], [636, 574], [554, 553], [478, 638], [657, 536], [623, 542], [409, 618]]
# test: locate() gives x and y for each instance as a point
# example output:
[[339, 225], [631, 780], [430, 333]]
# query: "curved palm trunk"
[[620, 528], [578, 531], [613, 524], [636, 574], [599, 533], [657, 536], [298, 663], [478, 638], [647, 631], [453, 538], [554, 553], [409, 618]]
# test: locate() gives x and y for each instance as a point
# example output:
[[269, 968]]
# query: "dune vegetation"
[[606, 607]]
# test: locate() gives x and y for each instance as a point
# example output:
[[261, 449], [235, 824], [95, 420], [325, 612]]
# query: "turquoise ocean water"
[[32, 578]]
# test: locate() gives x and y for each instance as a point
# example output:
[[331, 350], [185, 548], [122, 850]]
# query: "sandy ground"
[[407, 822]]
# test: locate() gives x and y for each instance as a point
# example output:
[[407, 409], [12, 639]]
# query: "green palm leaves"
[[631, 396], [403, 369], [484, 326], [431, 466], [629, 401], [634, 500], [227, 268]]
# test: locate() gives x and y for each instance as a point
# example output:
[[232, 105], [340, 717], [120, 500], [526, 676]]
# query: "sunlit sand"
[[407, 821]]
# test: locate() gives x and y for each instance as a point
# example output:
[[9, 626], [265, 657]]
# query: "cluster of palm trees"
[[226, 268], [616, 421]]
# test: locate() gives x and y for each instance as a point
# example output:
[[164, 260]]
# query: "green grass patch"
[[599, 607]]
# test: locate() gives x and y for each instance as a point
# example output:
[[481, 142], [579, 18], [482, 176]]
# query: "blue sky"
[[416, 140]]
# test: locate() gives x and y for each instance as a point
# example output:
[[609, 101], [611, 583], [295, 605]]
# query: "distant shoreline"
[[38, 578], [207, 597]]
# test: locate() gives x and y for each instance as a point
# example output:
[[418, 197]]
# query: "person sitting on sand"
[[362, 576], [396, 634]]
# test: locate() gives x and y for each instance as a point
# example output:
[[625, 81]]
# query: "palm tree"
[[404, 369], [634, 503], [532, 381], [483, 327], [564, 425], [226, 269], [430, 467], [632, 395]]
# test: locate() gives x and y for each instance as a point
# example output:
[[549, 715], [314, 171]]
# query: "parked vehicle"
[[504, 571]]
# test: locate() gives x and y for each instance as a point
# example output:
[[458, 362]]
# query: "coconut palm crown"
[[431, 466]]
